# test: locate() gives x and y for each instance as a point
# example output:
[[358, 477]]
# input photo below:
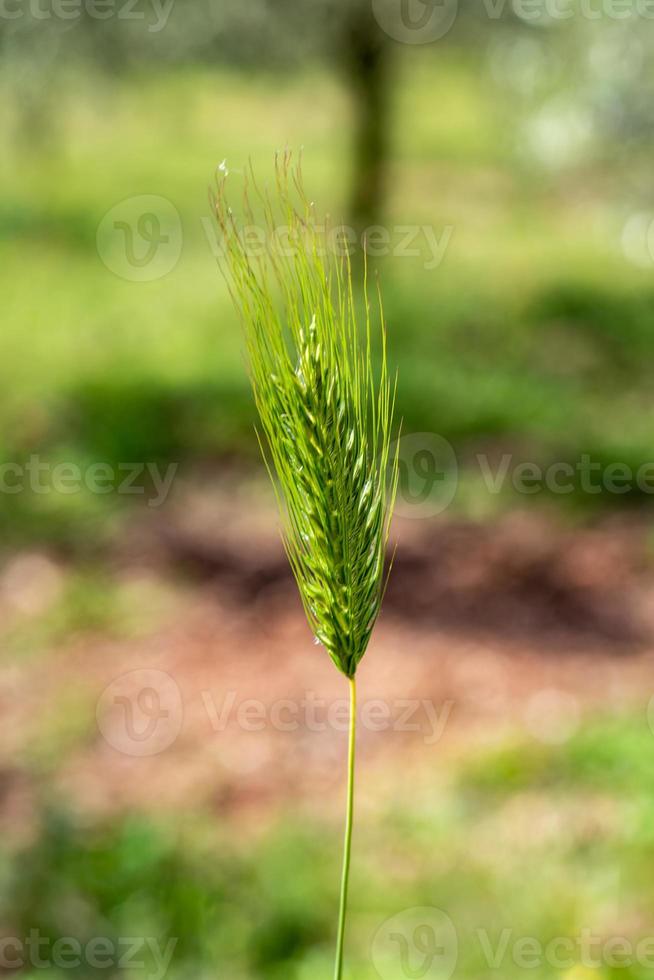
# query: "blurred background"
[[172, 763]]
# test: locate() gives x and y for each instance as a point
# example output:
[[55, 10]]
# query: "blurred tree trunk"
[[367, 53]]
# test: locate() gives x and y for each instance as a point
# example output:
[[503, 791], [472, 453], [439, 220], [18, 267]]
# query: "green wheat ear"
[[326, 418]]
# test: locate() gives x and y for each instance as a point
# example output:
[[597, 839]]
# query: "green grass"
[[544, 841], [533, 329]]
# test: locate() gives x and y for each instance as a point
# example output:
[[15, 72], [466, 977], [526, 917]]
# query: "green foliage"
[[326, 419], [533, 331], [607, 751], [228, 912], [573, 820]]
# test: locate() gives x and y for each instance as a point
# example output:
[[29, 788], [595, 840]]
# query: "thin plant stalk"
[[326, 418], [349, 822]]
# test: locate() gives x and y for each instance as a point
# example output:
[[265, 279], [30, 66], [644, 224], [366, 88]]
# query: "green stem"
[[347, 846]]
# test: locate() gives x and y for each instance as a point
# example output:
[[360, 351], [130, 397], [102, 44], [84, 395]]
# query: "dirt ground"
[[524, 625]]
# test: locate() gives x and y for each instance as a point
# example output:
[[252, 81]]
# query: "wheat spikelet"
[[326, 420]]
